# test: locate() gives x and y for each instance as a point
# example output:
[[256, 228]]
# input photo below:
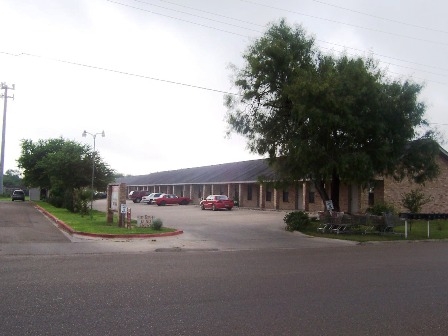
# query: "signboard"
[[329, 205], [123, 208], [114, 197], [144, 221]]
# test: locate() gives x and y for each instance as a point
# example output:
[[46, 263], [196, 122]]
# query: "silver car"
[[150, 198]]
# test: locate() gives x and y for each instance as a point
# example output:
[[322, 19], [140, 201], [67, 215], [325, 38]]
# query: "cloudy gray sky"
[[152, 73]]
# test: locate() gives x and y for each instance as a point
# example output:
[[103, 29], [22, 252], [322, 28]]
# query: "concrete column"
[[191, 191], [306, 200], [262, 197], [240, 194], [276, 196], [204, 191]]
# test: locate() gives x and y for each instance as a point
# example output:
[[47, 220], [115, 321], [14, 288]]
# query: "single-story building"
[[241, 182]]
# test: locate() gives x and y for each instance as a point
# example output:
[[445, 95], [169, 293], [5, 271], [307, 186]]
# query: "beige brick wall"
[[291, 203], [244, 202], [438, 189]]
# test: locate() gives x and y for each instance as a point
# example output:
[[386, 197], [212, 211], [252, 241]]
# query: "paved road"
[[390, 289], [20, 222], [52, 284]]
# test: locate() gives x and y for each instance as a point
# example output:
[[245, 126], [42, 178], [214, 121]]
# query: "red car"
[[216, 202], [165, 199]]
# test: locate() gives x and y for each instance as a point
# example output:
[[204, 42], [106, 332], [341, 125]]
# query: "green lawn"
[[96, 224], [417, 230]]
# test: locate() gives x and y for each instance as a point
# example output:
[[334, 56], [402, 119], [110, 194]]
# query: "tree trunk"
[[320, 187], [335, 183]]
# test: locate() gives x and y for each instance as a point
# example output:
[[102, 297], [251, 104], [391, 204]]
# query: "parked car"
[[165, 199], [150, 198], [100, 195], [137, 195], [216, 202], [18, 195]]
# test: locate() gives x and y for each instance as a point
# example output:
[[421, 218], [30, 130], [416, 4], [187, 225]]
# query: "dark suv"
[[136, 195], [18, 195]]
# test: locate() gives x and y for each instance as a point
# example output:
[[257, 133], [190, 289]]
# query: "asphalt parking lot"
[[238, 229]]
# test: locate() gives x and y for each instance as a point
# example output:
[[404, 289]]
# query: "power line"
[[141, 76], [202, 17], [207, 12], [344, 23], [335, 44], [385, 56], [172, 17], [331, 43], [120, 72], [381, 18]]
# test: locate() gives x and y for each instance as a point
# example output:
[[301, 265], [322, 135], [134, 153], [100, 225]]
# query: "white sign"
[[329, 205], [124, 208], [114, 198]]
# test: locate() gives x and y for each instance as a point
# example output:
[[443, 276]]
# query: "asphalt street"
[[54, 284]]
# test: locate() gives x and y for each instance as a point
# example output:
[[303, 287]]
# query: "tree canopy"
[[12, 179], [325, 118], [62, 166]]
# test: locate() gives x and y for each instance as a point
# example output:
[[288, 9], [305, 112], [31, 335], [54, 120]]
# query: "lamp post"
[[84, 134]]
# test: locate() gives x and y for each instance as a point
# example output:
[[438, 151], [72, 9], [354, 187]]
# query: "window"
[[285, 196], [268, 195], [311, 197], [371, 198], [249, 192]]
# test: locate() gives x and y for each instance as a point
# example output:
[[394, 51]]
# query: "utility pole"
[[5, 96]]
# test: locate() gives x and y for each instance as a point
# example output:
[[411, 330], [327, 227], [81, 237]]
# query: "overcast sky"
[[152, 74]]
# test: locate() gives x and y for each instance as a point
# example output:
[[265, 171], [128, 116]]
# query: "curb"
[[63, 226]]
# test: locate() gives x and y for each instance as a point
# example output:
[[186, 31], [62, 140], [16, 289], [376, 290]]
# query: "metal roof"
[[234, 172]]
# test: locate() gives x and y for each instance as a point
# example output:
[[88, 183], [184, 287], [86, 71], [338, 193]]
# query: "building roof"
[[234, 172]]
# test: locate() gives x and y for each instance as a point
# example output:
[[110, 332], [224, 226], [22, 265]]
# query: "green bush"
[[380, 208], [81, 199], [297, 221], [415, 200], [156, 224]]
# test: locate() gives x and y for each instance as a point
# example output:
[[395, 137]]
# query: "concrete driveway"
[[26, 231], [239, 229]]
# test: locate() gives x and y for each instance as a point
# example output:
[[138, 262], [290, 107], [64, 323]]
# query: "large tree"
[[62, 166], [12, 179], [325, 118]]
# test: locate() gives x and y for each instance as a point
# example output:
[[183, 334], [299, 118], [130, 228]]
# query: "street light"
[[84, 134]]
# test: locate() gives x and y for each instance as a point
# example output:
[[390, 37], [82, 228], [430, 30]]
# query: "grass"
[[97, 224], [417, 230]]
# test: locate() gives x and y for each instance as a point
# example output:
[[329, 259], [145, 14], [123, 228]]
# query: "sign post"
[[116, 197], [123, 211]]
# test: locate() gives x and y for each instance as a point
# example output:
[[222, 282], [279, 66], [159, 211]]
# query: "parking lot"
[[238, 229]]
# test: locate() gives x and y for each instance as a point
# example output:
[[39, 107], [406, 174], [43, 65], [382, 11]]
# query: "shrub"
[[156, 224], [415, 200], [380, 208], [81, 199], [296, 221]]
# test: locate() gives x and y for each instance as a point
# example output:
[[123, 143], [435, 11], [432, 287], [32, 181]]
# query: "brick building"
[[241, 181]]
